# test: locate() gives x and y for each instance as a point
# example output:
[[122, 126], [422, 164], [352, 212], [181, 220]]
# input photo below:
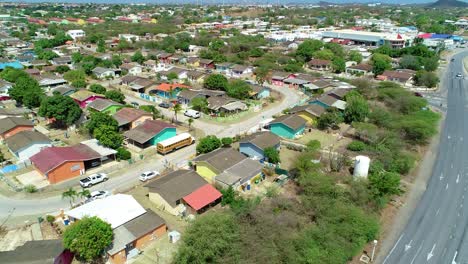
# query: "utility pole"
[[373, 250]]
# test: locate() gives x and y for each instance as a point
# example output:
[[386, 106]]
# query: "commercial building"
[[367, 38]]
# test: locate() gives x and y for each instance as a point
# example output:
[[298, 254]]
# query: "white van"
[[192, 113]]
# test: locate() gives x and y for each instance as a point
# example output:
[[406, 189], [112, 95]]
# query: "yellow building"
[[212, 164], [310, 113]]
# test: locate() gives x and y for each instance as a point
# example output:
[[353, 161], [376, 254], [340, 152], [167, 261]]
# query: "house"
[[402, 76], [149, 133], [182, 192], [238, 71], [65, 60], [196, 77], [308, 112], [133, 226], [50, 81], [104, 106], [296, 83], [168, 90], [64, 90], [206, 64], [58, 164], [339, 93], [211, 164], [186, 96], [76, 33], [103, 73], [132, 68], [224, 104], [241, 175], [129, 37], [319, 65], [179, 72], [327, 101], [10, 126], [26, 144], [193, 62], [38, 63], [33, 72], [38, 252], [259, 92], [84, 97], [288, 126], [224, 67], [164, 57], [359, 69], [128, 118], [5, 87], [254, 145], [14, 112]]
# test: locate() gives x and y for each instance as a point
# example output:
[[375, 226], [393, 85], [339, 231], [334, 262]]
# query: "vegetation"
[[272, 155], [216, 82], [108, 136], [88, 238], [123, 154], [115, 96], [30, 188], [26, 90], [208, 144], [63, 109], [99, 119], [97, 88]]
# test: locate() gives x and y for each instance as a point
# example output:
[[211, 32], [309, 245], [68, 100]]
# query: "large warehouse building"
[[366, 38]]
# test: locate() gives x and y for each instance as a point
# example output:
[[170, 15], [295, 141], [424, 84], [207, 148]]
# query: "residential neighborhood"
[[227, 132]]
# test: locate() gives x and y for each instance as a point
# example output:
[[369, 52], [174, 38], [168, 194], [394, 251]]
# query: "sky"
[[225, 1]]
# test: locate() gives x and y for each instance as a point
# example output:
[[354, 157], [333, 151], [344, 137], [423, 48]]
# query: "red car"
[[418, 94], [5, 98]]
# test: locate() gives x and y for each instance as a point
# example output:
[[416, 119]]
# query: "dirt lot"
[[327, 139], [288, 157]]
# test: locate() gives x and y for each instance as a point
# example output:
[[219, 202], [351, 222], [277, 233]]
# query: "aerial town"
[[233, 133]]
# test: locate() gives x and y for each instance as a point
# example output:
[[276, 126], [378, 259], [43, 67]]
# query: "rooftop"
[[144, 132], [127, 115], [262, 140], [292, 121], [24, 139], [8, 123], [202, 197], [221, 159]]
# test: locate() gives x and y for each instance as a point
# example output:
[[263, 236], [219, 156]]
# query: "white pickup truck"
[[93, 179]]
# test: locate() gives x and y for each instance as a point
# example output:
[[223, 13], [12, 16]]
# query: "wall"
[[282, 130], [163, 135], [206, 171], [143, 241], [63, 172], [118, 258], [26, 153], [15, 131], [251, 150], [139, 121], [161, 203]]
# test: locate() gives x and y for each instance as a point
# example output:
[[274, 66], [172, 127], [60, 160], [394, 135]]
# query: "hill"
[[449, 3]]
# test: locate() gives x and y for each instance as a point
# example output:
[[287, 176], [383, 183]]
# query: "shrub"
[[123, 154], [226, 141], [30, 188], [50, 218], [356, 146]]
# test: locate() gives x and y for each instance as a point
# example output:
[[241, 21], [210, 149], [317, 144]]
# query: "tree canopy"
[[208, 144], [63, 109], [216, 82], [100, 119], [26, 91], [115, 96]]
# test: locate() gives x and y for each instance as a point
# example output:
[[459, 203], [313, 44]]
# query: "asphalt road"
[[438, 229]]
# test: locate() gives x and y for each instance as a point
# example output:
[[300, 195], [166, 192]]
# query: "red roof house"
[[202, 198], [58, 164]]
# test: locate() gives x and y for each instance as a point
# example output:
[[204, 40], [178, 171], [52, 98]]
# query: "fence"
[[10, 183], [150, 98]]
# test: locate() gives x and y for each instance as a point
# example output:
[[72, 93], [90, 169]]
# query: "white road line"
[[458, 178], [437, 213], [446, 186], [431, 254], [391, 251], [417, 253], [454, 257]]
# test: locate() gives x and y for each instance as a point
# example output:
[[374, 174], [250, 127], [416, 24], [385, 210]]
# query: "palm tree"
[[190, 122], [177, 108], [70, 194], [85, 193]]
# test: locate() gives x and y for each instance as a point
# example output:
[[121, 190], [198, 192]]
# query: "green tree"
[[272, 155], [151, 109], [101, 46], [116, 60], [357, 109], [84, 193], [208, 144], [199, 104], [356, 146], [331, 118], [10, 74], [410, 62], [238, 89], [425, 78], [63, 109], [177, 108], [226, 141], [313, 145], [71, 195], [385, 183], [123, 154], [75, 75], [355, 55], [338, 65], [324, 54], [307, 48], [76, 57], [138, 57], [172, 76], [108, 136], [115, 96], [336, 48], [430, 64], [62, 69], [216, 82], [261, 74], [380, 63], [26, 91], [97, 88], [88, 238], [100, 119], [190, 122]]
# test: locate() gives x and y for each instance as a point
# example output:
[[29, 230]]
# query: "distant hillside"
[[449, 3]]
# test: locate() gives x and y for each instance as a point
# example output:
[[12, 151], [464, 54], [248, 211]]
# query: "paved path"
[[437, 231]]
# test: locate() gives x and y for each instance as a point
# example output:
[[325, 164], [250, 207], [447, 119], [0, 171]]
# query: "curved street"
[[437, 230], [13, 207]]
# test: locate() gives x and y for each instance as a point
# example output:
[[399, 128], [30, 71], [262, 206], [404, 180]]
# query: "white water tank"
[[361, 166]]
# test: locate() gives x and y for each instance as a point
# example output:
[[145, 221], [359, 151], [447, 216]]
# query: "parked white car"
[[98, 195], [93, 179], [192, 113], [148, 175]]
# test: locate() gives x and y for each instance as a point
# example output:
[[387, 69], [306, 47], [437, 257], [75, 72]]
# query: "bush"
[[123, 154], [226, 141], [30, 188], [50, 218], [356, 146]]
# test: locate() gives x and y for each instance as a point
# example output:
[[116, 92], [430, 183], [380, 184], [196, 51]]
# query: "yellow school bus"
[[175, 143]]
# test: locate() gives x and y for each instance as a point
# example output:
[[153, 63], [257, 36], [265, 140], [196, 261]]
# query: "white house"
[[76, 33], [132, 68], [26, 144], [102, 73], [129, 37]]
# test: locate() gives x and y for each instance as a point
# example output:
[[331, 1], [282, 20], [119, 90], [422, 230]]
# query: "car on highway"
[[135, 104], [164, 105], [93, 179], [452, 59], [148, 175], [98, 195], [459, 75]]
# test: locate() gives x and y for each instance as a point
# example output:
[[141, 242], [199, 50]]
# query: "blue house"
[[259, 92], [12, 64], [150, 133], [288, 126], [254, 145]]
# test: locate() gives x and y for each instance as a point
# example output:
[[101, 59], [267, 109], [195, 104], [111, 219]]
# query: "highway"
[[437, 231]]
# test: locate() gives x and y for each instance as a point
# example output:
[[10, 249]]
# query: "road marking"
[[441, 176], [393, 248], [454, 257], [458, 178], [431, 254], [417, 253], [451, 165], [446, 186], [408, 246], [437, 213]]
